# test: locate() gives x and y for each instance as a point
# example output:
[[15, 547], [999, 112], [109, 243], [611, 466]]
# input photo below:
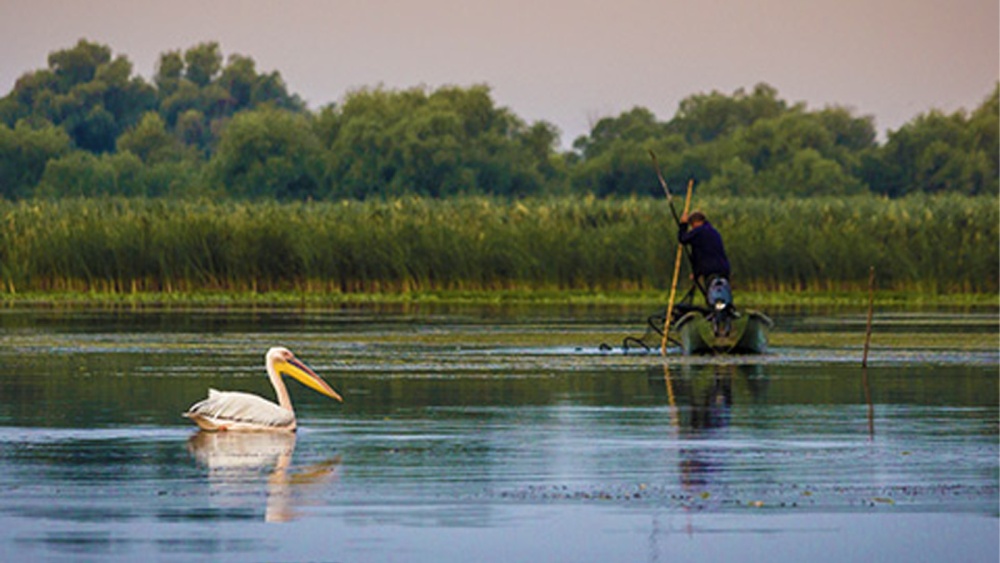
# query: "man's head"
[[696, 218]]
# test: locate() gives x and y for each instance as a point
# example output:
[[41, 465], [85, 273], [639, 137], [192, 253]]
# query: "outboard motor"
[[720, 300]]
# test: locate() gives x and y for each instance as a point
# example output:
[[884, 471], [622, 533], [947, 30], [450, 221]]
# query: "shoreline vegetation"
[[212, 183], [927, 250], [651, 299]]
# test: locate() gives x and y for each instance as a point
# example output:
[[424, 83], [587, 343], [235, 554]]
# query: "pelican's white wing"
[[235, 410]]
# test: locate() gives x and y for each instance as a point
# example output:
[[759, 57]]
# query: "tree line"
[[206, 125]]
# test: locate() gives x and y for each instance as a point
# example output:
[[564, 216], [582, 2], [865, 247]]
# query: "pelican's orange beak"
[[305, 375]]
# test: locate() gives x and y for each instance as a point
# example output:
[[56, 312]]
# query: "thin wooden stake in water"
[[868, 400], [871, 308], [677, 272]]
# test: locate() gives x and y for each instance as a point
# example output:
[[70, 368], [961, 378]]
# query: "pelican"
[[232, 410]]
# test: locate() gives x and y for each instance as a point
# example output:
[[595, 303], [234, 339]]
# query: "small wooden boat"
[[700, 332]]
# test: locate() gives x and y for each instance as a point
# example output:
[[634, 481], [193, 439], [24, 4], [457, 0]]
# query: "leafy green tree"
[[794, 154], [78, 173], [268, 153], [636, 125], [31, 97], [937, 152], [270, 88], [79, 64], [539, 147], [809, 173], [212, 102], [703, 118], [83, 174], [151, 141], [194, 130], [849, 132], [130, 174], [198, 94], [770, 142], [92, 96], [450, 141], [741, 144], [96, 98], [239, 78], [202, 63], [185, 96], [734, 176], [92, 129], [177, 179], [24, 152], [125, 96], [624, 167], [169, 70], [985, 131]]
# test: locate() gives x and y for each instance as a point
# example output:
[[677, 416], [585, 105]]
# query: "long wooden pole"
[[871, 308], [673, 211], [663, 184], [677, 272], [675, 420]]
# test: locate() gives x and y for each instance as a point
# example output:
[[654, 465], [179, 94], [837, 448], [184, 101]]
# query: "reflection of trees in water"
[[238, 462]]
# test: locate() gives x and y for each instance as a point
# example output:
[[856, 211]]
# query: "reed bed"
[[925, 244]]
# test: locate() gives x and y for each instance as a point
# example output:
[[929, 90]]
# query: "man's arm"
[[684, 235]]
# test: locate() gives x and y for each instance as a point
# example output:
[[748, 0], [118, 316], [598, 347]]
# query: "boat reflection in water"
[[241, 465], [701, 398], [703, 394], [701, 402]]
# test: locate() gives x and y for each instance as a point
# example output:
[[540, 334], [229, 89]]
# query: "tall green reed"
[[924, 243]]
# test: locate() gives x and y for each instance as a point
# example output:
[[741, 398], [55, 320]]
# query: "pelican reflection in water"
[[236, 460], [232, 410]]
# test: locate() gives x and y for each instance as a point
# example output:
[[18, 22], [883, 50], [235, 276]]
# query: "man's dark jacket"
[[708, 256]]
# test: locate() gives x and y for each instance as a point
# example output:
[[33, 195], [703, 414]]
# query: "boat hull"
[[747, 334]]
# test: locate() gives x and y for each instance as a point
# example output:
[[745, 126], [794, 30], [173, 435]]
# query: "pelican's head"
[[284, 362]]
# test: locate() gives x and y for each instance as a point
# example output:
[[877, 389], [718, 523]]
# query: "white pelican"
[[232, 410]]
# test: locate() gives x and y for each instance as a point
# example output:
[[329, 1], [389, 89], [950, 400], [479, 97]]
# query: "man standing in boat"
[[708, 255], [708, 260]]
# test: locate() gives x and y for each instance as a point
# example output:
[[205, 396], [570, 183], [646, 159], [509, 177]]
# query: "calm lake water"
[[499, 434]]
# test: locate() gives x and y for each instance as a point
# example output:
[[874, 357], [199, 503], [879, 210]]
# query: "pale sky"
[[568, 62]]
